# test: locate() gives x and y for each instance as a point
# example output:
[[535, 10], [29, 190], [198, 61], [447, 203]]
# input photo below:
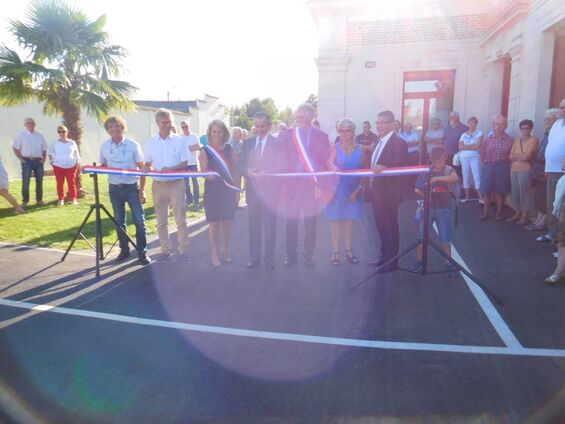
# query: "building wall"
[[473, 38]]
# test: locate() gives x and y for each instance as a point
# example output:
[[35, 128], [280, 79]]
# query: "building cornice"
[[504, 16]]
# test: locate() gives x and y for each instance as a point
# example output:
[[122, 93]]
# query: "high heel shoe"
[[351, 258], [335, 259], [226, 259], [555, 279]]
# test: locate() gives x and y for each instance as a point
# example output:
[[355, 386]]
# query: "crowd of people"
[[493, 165]]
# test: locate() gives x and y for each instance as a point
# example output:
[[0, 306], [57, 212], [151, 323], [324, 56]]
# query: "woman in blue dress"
[[345, 207]]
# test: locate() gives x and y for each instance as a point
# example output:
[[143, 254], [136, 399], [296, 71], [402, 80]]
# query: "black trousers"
[[262, 222], [386, 220], [301, 202]]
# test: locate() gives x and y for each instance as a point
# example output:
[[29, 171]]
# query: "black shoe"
[[269, 265], [376, 263], [388, 268], [144, 259], [123, 255], [290, 262], [252, 264]]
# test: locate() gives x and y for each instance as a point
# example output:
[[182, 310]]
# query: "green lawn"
[[54, 226]]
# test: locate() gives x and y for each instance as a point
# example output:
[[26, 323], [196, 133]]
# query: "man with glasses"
[[31, 149], [193, 147], [385, 193], [122, 152]]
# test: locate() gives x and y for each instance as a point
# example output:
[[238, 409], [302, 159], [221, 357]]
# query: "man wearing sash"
[[386, 192], [260, 155], [168, 152], [307, 150]]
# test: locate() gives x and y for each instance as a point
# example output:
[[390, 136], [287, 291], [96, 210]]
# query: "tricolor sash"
[[303, 153], [223, 170]]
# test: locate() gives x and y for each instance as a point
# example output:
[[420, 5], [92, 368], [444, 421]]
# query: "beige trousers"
[[170, 193]]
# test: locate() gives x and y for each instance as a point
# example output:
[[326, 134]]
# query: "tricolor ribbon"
[[224, 173], [303, 155]]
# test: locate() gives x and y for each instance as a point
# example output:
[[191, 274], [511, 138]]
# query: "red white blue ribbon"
[[303, 155]]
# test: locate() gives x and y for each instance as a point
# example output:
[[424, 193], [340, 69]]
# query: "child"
[[442, 178]]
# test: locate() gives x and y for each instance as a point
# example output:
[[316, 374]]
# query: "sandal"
[[335, 259], [351, 258]]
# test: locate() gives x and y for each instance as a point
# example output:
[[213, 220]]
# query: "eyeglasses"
[[345, 130], [61, 132], [525, 128]]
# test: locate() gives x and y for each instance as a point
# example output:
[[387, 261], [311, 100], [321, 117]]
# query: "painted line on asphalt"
[[492, 314], [291, 337]]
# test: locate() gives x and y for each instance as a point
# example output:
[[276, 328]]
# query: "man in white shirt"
[[194, 147], [554, 158], [31, 149], [168, 152]]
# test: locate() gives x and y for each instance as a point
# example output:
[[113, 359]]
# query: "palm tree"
[[69, 66]]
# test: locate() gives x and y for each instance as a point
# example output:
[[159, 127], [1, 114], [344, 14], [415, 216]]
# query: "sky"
[[233, 49]]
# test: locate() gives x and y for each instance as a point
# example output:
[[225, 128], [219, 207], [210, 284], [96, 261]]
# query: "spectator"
[[345, 207], [495, 180], [31, 149], [537, 174], [316, 124], [554, 156], [434, 136], [442, 179], [558, 209], [523, 151], [397, 126], [470, 157], [193, 148], [4, 186], [64, 158], [367, 137], [412, 141], [453, 133], [236, 144], [282, 128]]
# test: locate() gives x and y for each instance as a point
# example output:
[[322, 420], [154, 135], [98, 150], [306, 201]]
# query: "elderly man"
[[194, 147], [307, 149], [168, 152], [452, 135], [31, 149], [385, 193], [122, 152], [367, 137], [554, 158], [495, 178]]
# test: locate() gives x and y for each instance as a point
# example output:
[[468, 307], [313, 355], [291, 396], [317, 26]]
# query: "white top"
[[125, 154], [410, 137], [434, 134], [468, 140], [167, 152], [555, 150], [192, 140], [380, 147], [30, 145], [64, 155], [261, 142]]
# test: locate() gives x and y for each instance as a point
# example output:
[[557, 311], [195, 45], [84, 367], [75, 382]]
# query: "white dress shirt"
[[30, 144], [379, 149], [167, 152]]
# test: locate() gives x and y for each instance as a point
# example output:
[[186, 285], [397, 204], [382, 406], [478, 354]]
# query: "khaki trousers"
[[170, 193]]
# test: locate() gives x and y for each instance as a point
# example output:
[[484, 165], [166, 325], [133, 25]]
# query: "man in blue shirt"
[[121, 152]]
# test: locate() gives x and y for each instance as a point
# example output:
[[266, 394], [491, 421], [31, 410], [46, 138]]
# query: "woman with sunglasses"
[[64, 158]]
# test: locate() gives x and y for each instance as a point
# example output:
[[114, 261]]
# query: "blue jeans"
[[442, 218], [189, 197], [29, 166], [120, 195]]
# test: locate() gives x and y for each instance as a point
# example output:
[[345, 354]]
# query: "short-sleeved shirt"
[[367, 139], [468, 140], [204, 139], [441, 191], [192, 140], [166, 152], [452, 137], [30, 144], [64, 155], [125, 154], [434, 134], [530, 146], [495, 149], [410, 137], [555, 150]]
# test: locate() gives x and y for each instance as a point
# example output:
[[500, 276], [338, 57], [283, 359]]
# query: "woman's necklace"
[[348, 147]]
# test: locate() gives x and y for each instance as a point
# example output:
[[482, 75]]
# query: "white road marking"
[[302, 338]]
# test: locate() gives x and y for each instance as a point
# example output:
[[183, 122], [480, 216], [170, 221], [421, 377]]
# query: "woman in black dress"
[[219, 199]]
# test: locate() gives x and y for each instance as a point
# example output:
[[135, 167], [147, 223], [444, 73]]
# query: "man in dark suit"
[[302, 194], [260, 155], [386, 192]]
